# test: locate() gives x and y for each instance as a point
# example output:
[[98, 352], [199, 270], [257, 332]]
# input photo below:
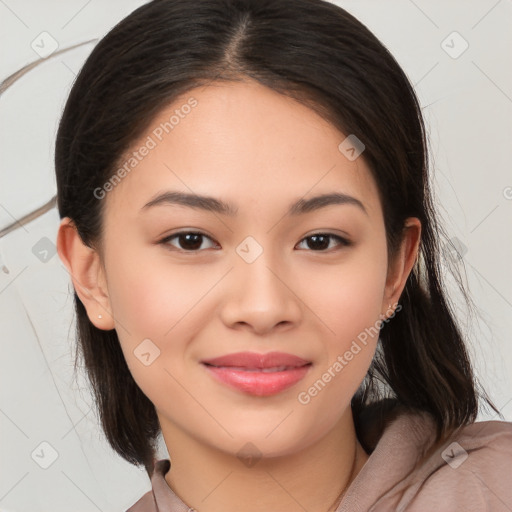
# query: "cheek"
[[348, 301], [160, 301], [348, 298], [152, 295], [154, 304]]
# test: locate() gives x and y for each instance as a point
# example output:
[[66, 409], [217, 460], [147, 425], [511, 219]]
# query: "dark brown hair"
[[319, 54]]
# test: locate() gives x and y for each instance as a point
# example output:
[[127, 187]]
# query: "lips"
[[258, 374], [271, 361]]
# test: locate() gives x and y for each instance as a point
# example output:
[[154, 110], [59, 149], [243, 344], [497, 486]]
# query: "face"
[[188, 284]]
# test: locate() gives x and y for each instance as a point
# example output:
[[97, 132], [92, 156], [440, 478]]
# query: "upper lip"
[[255, 360]]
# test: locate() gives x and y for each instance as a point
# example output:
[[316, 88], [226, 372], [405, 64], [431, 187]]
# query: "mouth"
[[257, 374], [271, 369]]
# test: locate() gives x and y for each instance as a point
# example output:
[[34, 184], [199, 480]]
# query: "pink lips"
[[258, 374]]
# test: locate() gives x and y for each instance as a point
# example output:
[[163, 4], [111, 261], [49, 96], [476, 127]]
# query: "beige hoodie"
[[406, 471]]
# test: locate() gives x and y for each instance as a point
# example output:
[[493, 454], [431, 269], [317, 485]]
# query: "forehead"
[[245, 142]]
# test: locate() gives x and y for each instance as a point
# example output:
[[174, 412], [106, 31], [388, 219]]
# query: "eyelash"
[[343, 242]]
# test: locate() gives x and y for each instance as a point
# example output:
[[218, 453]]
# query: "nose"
[[260, 297]]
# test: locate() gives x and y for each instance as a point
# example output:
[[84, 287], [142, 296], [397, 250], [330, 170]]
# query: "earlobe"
[[85, 269], [405, 259]]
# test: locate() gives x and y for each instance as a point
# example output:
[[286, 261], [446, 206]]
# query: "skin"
[[261, 151]]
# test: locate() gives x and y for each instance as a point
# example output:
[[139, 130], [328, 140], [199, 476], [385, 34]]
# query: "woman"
[[248, 224]]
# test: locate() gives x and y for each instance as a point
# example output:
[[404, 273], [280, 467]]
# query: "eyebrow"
[[215, 205]]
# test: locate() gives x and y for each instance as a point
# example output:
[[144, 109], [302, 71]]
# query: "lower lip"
[[258, 383]]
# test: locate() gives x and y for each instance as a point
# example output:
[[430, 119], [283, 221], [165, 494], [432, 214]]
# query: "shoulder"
[[145, 504], [470, 471], [487, 433], [484, 447]]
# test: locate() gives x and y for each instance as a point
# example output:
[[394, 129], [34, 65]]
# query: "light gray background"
[[467, 104]]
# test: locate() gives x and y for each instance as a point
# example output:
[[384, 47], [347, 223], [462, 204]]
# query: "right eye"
[[190, 241]]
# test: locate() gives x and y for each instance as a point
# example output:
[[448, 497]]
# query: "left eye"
[[318, 241]]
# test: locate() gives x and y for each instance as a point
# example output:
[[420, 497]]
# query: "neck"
[[314, 478]]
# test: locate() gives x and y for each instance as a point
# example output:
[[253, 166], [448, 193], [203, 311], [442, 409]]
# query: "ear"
[[400, 268], [87, 274]]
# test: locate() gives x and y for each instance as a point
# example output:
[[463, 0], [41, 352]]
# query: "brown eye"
[[188, 241], [320, 242]]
